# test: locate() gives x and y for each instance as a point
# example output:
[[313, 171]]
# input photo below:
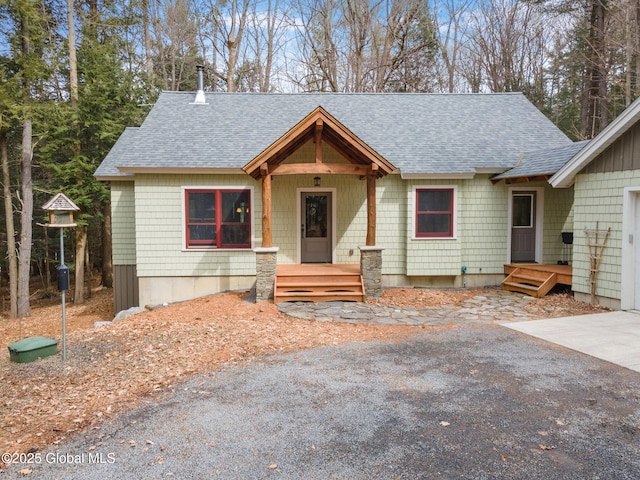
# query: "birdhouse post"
[[61, 210]]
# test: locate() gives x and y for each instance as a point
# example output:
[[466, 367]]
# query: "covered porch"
[[319, 281]]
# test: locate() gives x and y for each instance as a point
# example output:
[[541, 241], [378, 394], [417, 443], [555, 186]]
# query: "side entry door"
[[523, 227]]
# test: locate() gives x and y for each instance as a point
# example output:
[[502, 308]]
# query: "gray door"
[[315, 245], [523, 227]]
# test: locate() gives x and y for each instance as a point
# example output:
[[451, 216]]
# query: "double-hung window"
[[217, 218], [434, 213]]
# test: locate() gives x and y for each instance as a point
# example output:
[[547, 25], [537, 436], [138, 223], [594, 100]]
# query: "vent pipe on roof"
[[200, 97]]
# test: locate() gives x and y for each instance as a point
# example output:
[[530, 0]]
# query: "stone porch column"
[[371, 268], [266, 260]]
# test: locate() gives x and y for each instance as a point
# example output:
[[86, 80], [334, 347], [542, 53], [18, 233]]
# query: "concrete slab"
[[611, 336]]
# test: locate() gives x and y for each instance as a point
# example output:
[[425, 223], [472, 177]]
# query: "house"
[[222, 191], [605, 177]]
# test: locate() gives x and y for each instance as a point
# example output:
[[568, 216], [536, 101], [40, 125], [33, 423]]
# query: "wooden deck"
[[535, 279], [318, 283]]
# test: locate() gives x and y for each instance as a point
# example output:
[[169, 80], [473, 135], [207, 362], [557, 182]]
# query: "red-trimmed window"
[[218, 218], [434, 212]]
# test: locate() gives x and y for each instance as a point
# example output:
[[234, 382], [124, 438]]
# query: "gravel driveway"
[[463, 403]]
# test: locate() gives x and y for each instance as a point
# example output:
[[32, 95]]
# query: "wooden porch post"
[[371, 206], [267, 240]]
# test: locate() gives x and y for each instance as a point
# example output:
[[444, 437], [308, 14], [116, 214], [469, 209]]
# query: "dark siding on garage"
[[623, 154]]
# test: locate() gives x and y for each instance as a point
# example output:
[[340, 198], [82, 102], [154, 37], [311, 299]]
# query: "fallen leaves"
[[423, 297], [111, 369], [560, 305]]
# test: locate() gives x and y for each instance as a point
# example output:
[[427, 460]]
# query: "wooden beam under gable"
[[320, 169]]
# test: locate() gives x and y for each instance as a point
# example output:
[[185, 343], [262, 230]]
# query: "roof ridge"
[[389, 94]]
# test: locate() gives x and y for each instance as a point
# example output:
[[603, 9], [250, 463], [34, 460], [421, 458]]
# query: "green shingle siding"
[[481, 225], [123, 224], [159, 227], [599, 198], [558, 218]]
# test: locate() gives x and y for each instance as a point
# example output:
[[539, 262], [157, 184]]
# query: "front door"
[[523, 227], [315, 230]]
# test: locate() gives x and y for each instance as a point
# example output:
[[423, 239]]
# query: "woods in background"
[[75, 73]]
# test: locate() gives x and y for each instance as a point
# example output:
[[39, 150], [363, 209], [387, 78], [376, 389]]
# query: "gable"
[[319, 126]]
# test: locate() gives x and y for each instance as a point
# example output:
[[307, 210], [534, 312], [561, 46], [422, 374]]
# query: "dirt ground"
[[112, 368]]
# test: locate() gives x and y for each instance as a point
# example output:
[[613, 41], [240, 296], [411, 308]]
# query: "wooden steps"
[[318, 283], [532, 282]]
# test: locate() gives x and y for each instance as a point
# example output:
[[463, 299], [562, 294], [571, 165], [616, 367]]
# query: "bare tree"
[[176, 49], [260, 57], [146, 32], [450, 21], [26, 199], [223, 30], [11, 230], [594, 94], [365, 45], [318, 46]]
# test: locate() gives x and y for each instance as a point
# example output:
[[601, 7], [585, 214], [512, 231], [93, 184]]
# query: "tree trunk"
[[88, 270], [26, 216], [75, 100], [11, 230], [81, 244], [73, 58], [107, 262], [594, 99], [234, 41], [148, 62]]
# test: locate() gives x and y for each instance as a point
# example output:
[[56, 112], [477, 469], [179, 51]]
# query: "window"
[[522, 215], [434, 212], [218, 218]]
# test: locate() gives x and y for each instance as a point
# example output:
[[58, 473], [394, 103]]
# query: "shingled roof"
[[542, 164], [447, 135]]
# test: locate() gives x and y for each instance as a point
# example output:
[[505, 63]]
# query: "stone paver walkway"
[[492, 306]]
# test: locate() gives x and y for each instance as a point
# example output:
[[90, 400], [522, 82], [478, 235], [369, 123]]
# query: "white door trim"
[[628, 271], [334, 202], [539, 219]]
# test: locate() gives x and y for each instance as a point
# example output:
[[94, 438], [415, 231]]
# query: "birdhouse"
[[60, 210]]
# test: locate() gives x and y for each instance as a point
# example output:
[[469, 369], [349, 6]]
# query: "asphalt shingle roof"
[[544, 162], [418, 133]]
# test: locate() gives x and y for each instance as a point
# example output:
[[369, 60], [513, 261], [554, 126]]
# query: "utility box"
[[32, 348], [62, 272]]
